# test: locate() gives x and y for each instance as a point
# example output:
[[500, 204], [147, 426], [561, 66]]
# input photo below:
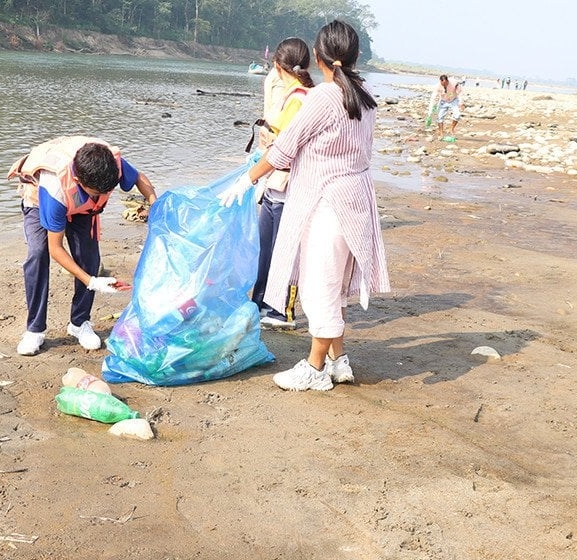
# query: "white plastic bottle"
[[77, 377]]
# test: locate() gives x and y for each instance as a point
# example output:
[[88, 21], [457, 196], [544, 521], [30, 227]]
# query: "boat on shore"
[[259, 69]]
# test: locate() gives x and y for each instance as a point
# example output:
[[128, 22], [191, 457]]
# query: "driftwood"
[[235, 94]]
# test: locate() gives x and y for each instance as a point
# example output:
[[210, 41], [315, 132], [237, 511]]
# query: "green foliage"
[[250, 24]]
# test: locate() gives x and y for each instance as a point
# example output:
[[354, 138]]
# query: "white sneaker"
[[340, 370], [272, 323], [264, 311], [30, 343], [87, 338], [303, 376]]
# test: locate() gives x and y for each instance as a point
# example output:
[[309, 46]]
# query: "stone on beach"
[[535, 133]]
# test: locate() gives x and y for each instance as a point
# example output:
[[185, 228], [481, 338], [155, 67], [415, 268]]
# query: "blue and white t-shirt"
[[52, 202]]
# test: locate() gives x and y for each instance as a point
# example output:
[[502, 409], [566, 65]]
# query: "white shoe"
[[272, 323], [340, 370], [87, 338], [303, 376], [30, 343]]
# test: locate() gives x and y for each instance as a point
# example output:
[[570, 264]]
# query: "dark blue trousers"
[[83, 246], [268, 223]]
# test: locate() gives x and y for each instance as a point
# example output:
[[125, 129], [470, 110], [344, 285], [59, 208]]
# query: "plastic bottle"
[[77, 377], [95, 406], [175, 316]]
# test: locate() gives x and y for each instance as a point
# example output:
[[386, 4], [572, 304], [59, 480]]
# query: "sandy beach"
[[435, 453]]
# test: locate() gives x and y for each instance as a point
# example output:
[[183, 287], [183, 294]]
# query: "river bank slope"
[[54, 39]]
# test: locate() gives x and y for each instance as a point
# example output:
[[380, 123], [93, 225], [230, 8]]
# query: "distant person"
[[525, 83], [446, 97], [65, 184], [508, 82]]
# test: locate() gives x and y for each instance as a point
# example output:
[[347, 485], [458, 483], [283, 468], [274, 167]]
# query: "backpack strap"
[[258, 122]]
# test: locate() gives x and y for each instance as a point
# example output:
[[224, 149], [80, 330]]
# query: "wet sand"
[[434, 452]]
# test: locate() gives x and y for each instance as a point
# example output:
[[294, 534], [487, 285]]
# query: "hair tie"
[[297, 68], [338, 63]]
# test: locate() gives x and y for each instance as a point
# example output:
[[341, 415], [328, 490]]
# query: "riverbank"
[[52, 39], [435, 452]]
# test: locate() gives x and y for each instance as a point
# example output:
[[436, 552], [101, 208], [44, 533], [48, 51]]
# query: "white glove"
[[259, 189], [236, 191], [102, 284]]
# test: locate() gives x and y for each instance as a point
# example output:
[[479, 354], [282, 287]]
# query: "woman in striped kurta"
[[329, 241]]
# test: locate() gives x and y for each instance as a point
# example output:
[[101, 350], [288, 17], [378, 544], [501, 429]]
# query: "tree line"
[[249, 24]]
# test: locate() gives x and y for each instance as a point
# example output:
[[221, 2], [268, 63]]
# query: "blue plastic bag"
[[190, 318]]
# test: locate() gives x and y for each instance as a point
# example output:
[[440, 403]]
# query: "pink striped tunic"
[[329, 156]]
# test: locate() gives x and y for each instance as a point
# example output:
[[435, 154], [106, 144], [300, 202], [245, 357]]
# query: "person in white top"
[[446, 97]]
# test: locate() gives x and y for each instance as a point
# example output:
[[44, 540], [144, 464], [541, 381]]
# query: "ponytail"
[[337, 45]]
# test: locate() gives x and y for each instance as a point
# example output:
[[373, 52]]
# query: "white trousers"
[[325, 269]]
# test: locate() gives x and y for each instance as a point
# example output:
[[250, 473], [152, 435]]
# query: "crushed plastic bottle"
[[77, 377], [92, 405]]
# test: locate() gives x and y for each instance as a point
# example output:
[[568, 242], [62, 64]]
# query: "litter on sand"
[[487, 351]]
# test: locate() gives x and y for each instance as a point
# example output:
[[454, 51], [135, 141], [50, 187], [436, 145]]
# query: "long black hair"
[[337, 45], [294, 57]]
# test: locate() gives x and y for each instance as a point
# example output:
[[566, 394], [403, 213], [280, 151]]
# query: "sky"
[[519, 38]]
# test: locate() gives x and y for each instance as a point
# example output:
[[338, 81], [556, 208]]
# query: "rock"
[[134, 428], [487, 351], [539, 168], [502, 148], [391, 100]]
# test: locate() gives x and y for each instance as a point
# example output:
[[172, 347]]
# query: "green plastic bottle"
[[95, 406]]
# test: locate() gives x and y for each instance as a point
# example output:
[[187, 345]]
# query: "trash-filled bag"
[[190, 318]]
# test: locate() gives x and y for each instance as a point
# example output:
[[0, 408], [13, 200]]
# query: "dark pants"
[[268, 222], [85, 252]]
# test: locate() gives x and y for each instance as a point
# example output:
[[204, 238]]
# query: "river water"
[[127, 101], [150, 108]]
